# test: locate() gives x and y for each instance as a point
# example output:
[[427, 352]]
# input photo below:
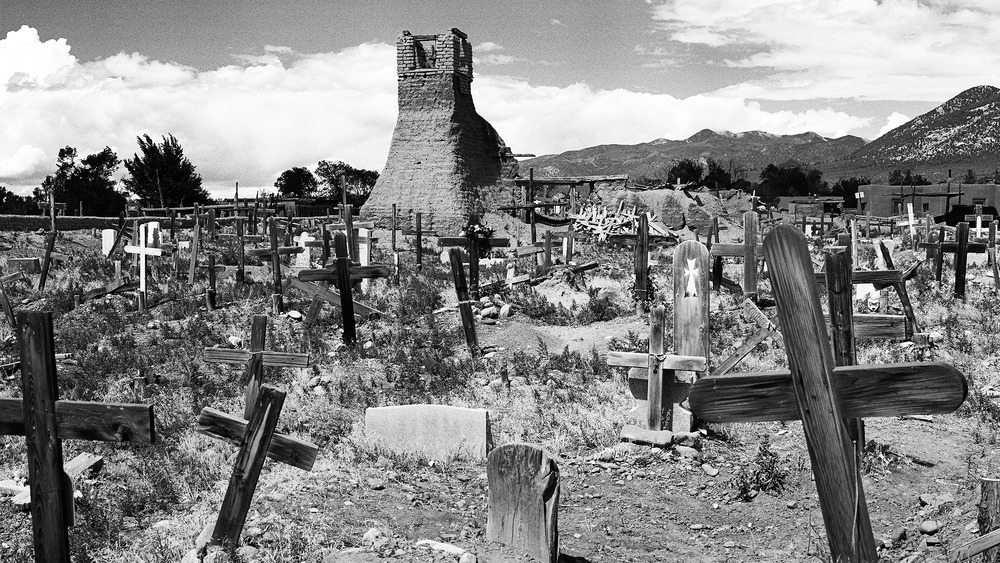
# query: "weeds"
[[765, 474]]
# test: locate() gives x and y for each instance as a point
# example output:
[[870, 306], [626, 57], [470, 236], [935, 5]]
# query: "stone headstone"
[[439, 432], [303, 259], [107, 240]]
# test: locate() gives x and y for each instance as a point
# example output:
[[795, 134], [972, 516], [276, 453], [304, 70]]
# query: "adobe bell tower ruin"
[[445, 160]]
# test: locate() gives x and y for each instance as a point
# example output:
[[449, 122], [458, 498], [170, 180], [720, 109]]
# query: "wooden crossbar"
[[667, 361], [80, 420], [283, 448], [275, 359]]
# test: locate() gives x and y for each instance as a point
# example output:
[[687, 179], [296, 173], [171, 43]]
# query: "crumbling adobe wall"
[[445, 160]]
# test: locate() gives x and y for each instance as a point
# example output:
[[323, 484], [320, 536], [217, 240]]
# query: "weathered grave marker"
[[750, 250], [255, 359], [45, 421], [464, 303], [257, 441], [822, 396], [642, 265], [651, 376], [50, 241], [142, 251], [342, 275], [523, 483], [274, 253], [691, 329]]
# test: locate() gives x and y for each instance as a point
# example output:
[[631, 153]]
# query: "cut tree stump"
[[524, 500]]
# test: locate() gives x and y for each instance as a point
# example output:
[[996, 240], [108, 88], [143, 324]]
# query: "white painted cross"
[[142, 251], [365, 254], [913, 223]]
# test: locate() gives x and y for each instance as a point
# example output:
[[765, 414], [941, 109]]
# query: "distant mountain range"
[[960, 134]]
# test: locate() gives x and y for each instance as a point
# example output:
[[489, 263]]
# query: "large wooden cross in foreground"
[[45, 422], [822, 397]]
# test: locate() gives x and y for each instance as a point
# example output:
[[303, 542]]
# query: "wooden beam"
[[80, 420], [332, 297], [283, 448], [275, 359], [668, 361]]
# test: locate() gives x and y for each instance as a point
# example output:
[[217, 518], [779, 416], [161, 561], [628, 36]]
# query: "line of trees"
[[159, 175]]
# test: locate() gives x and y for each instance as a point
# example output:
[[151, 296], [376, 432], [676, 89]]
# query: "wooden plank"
[[750, 254], [249, 462], [332, 297], [358, 273], [527, 251], [50, 242], [464, 242], [283, 448], [274, 359], [875, 277], [668, 362], [748, 345], [691, 328], [902, 389], [464, 306], [810, 359], [40, 392], [880, 326], [654, 377], [523, 482], [80, 420]]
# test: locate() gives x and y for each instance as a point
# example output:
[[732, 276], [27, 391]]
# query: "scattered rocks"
[[791, 504], [709, 470]]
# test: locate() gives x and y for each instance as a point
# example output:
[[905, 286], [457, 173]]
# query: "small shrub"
[[765, 474]]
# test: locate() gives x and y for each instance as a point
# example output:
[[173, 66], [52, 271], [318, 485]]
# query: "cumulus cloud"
[[918, 50], [893, 121], [245, 122], [250, 121]]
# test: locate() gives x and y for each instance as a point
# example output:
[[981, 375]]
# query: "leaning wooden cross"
[[691, 304], [45, 422], [822, 397], [342, 275], [255, 359], [257, 440]]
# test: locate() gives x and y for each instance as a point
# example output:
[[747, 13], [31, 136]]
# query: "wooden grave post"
[[5, 305], [195, 243], [961, 258], [255, 359], [50, 241], [841, 299], [257, 440], [821, 396], [464, 303], [750, 250], [691, 329], [45, 421], [343, 274], [642, 265], [274, 253], [523, 483], [650, 376]]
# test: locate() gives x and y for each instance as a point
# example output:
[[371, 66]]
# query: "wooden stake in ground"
[[523, 484], [50, 241], [257, 440], [822, 397], [255, 359], [45, 421], [642, 265]]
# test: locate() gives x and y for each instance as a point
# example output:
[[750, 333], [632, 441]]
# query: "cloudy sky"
[[251, 88]]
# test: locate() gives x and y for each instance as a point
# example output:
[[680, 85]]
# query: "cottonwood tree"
[[359, 181], [88, 182], [162, 175], [296, 182]]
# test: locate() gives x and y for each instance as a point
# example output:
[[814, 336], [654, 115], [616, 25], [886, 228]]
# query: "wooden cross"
[[142, 251], [822, 397], [750, 250], [255, 359], [241, 240], [961, 247], [342, 275], [275, 253], [472, 243], [257, 440], [464, 303], [45, 422]]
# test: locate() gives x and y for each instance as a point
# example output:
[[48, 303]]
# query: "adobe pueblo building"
[[445, 160]]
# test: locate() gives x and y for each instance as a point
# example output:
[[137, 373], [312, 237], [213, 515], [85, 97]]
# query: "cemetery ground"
[[735, 492]]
